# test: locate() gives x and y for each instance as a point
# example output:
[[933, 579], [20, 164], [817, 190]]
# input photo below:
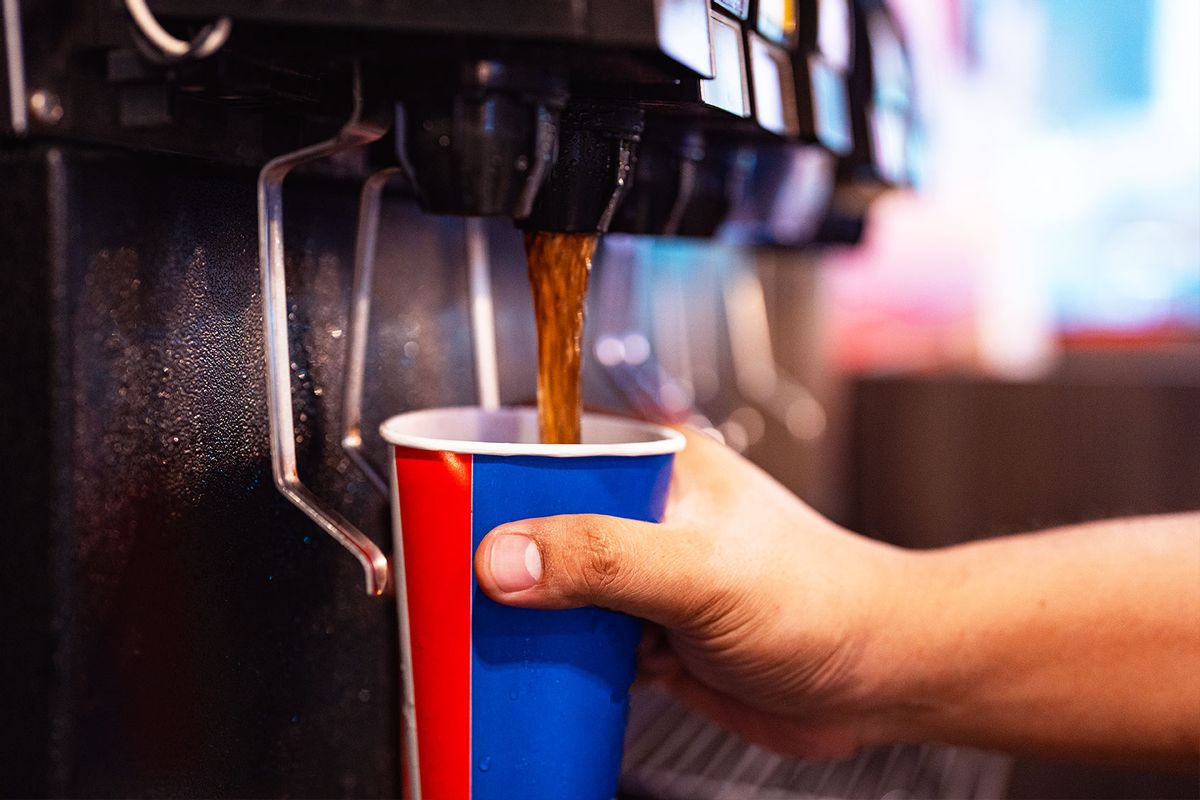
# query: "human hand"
[[765, 613]]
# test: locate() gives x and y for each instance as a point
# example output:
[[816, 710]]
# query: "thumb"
[[658, 572]]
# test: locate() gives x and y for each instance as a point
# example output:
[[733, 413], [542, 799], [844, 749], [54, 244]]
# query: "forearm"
[[1082, 641]]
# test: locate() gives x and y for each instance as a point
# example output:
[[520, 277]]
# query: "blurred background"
[[1016, 342]]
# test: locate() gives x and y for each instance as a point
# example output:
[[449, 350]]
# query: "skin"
[[1081, 642]]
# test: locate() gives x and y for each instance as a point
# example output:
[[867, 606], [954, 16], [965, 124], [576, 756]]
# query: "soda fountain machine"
[[197, 351]]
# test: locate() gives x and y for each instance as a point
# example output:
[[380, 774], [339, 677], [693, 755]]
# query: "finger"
[[710, 482], [705, 475], [659, 572], [694, 464]]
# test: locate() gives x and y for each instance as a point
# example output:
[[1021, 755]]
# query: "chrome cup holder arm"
[[623, 343], [757, 373], [483, 320], [369, 203], [483, 314], [357, 132]]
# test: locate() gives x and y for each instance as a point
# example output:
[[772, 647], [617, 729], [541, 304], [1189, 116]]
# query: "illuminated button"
[[739, 8], [777, 20], [774, 88], [830, 106], [834, 33], [727, 89]]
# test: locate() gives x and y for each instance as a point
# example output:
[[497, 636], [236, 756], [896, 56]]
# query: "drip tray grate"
[[672, 753]]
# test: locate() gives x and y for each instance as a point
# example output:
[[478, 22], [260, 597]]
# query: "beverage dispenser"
[[198, 350]]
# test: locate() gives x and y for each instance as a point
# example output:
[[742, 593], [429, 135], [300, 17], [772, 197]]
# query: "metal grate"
[[672, 753]]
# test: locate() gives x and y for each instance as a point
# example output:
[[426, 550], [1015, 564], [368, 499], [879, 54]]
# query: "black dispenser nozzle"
[[479, 139], [681, 185], [597, 151]]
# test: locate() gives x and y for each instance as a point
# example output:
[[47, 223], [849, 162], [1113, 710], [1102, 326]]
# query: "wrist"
[[905, 687]]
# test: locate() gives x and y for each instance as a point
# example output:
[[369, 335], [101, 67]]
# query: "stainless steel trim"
[[408, 695], [355, 133], [14, 60], [756, 372], [545, 139], [687, 185], [483, 314], [624, 170], [360, 314]]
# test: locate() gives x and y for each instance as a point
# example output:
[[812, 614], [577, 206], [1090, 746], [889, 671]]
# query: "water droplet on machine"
[[485, 763]]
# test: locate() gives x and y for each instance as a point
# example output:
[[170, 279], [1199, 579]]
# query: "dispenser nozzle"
[[597, 151]]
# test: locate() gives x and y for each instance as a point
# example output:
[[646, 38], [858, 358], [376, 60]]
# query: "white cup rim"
[[618, 436]]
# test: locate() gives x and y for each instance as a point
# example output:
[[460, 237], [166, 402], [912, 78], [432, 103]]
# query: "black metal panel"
[[513, 19], [26, 660], [176, 627]]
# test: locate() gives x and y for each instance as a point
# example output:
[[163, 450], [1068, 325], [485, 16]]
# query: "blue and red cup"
[[502, 702]]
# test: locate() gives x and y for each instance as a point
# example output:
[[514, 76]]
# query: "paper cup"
[[502, 702]]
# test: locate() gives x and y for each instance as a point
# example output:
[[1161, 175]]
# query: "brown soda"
[[559, 264]]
